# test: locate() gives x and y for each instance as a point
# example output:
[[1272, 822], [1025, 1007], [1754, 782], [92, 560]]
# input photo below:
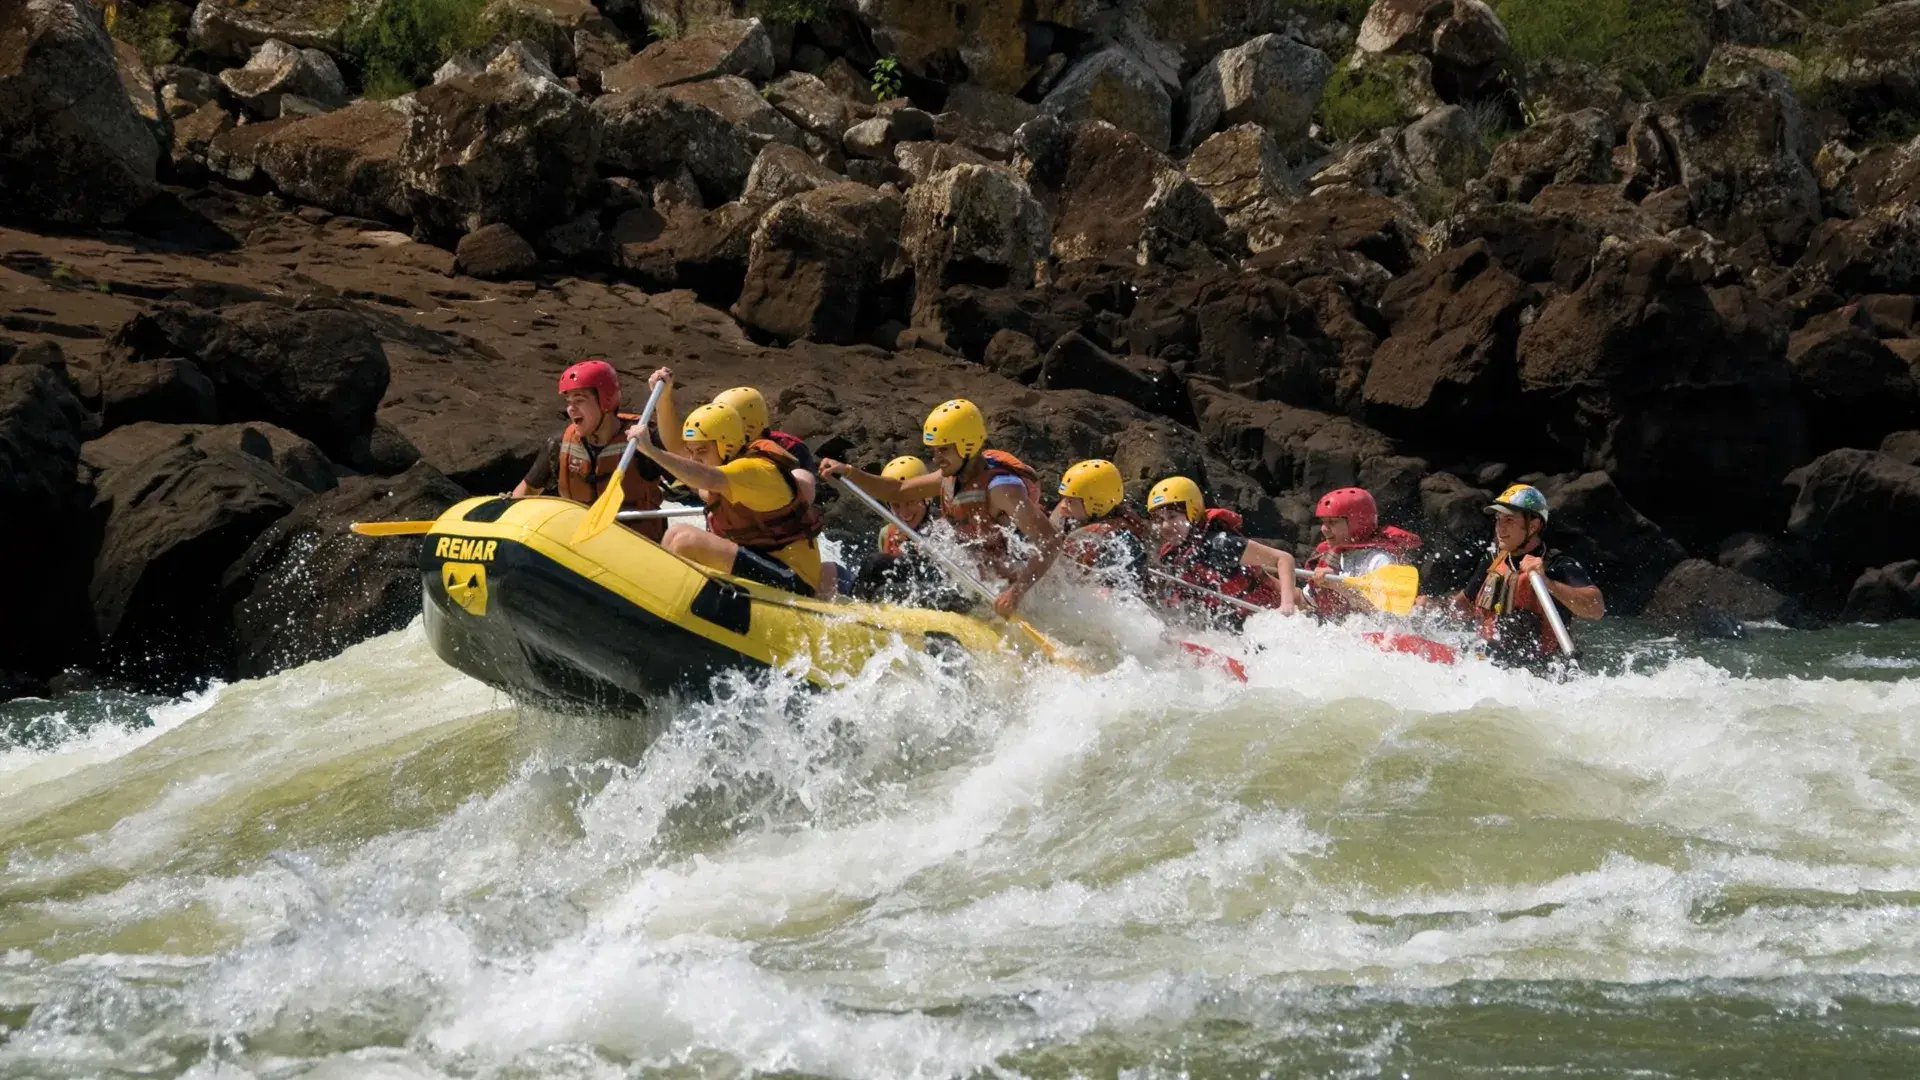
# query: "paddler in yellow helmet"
[[898, 573], [761, 521], [1203, 547], [1103, 533], [981, 492]]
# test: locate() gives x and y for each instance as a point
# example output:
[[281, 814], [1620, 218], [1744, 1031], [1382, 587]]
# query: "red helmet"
[[1355, 505], [597, 376]]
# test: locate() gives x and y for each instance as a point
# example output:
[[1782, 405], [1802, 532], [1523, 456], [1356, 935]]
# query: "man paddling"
[[761, 522], [581, 460], [1498, 599], [1203, 547], [1103, 532], [1353, 544], [752, 407], [982, 493]]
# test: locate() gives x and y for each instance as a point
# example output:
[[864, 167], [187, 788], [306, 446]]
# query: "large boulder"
[[812, 106], [233, 28], [972, 225], [730, 47], [1885, 593], [1741, 153], [739, 103], [318, 372], [1243, 172], [992, 40], [1700, 595], [42, 425], [1444, 148], [1854, 389], [177, 515], [497, 147], [165, 390], [680, 246], [1871, 67], [1272, 81], [1463, 39], [817, 265], [1592, 520], [1572, 148], [1649, 370], [346, 161], [1878, 253], [1856, 508], [780, 170], [1115, 86], [308, 588], [1447, 367], [496, 253], [277, 71], [572, 34], [73, 148], [1121, 198], [1075, 363], [650, 133]]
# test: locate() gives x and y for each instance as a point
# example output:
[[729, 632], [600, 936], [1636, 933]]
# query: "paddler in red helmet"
[[1353, 543], [580, 460]]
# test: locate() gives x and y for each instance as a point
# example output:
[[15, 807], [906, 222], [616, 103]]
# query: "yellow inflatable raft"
[[511, 600]]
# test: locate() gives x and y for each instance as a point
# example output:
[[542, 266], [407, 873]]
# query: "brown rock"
[[730, 47], [1123, 199], [1697, 592], [811, 105], [780, 171], [1447, 366], [1242, 171], [346, 161], [736, 101], [235, 27], [1075, 363], [1856, 509], [688, 248], [1649, 368], [1854, 389], [1885, 594], [495, 252], [817, 263], [926, 158], [971, 225], [649, 133], [1464, 39], [166, 390], [1738, 152], [1115, 86], [308, 588], [1876, 254], [278, 70], [497, 147], [42, 425], [73, 147], [1573, 148]]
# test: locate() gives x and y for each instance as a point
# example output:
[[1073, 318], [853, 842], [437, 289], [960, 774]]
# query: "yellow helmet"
[[717, 424], [1095, 483], [904, 468], [958, 424], [752, 408], [1176, 491]]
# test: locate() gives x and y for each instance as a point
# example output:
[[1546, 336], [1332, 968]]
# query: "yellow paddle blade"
[[1392, 589], [391, 528], [605, 509], [1049, 648]]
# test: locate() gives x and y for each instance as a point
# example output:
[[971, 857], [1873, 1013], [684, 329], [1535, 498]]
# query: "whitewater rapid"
[[1352, 864]]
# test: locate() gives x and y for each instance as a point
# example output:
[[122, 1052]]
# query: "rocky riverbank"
[[1282, 248]]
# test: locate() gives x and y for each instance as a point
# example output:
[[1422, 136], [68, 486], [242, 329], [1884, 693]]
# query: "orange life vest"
[[1244, 583], [1087, 544], [967, 509], [1500, 599], [1397, 543], [766, 530], [585, 470]]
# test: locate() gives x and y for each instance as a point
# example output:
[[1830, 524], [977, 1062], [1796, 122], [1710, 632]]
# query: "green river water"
[[1700, 860]]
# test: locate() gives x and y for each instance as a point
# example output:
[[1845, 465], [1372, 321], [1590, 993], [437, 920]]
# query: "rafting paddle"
[[1048, 647], [391, 528], [1392, 589], [606, 509], [1552, 609]]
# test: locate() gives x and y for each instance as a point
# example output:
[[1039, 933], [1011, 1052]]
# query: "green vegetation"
[[155, 31], [884, 79], [1360, 102], [663, 30], [1651, 46], [399, 44], [788, 12]]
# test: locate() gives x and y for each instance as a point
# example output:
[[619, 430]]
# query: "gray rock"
[[347, 161], [235, 27], [73, 147], [1115, 86], [1572, 148], [729, 47], [810, 104], [277, 70], [1272, 81], [496, 253], [972, 225], [651, 133], [1242, 172], [735, 100], [1445, 148], [817, 263], [779, 171]]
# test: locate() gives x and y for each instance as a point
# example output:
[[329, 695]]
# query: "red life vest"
[[965, 506], [1242, 583], [1397, 543], [585, 470], [1087, 544], [766, 530], [1501, 599]]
